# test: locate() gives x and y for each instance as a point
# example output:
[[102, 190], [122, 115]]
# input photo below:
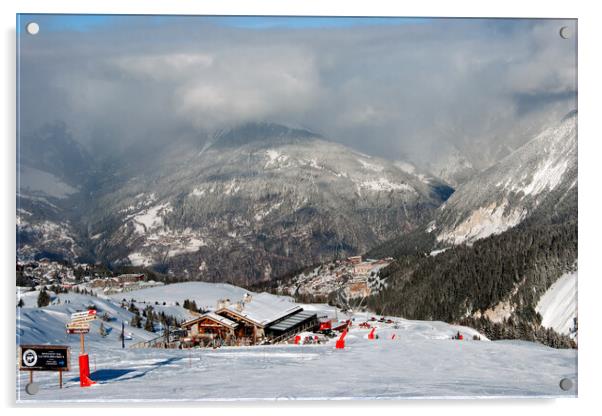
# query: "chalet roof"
[[214, 317], [262, 309], [293, 320]]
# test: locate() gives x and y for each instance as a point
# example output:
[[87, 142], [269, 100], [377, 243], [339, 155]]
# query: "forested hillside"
[[514, 268]]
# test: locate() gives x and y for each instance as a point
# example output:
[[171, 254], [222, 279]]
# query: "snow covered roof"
[[262, 309], [214, 317]]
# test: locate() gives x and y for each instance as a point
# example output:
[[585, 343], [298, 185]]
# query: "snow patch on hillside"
[[558, 306], [166, 243], [140, 259], [384, 184], [275, 158], [548, 177], [314, 164], [191, 246], [197, 192], [370, 166], [151, 218], [231, 187]]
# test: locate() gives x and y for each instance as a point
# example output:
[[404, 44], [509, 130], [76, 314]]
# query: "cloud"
[[399, 89]]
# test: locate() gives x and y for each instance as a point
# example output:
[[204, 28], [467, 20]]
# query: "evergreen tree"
[[132, 308], [136, 321], [190, 305], [149, 324], [21, 303], [43, 298]]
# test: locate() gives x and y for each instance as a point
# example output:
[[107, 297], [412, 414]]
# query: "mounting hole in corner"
[[32, 388], [566, 384], [565, 32], [32, 28]]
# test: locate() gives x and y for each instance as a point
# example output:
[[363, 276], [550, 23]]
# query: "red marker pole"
[[84, 362], [84, 371], [371, 334], [341, 341]]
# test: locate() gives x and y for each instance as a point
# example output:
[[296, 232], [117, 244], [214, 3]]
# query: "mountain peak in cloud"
[[258, 132]]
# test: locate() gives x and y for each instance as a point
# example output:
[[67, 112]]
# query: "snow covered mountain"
[[251, 202], [256, 201], [542, 171], [53, 171], [503, 248]]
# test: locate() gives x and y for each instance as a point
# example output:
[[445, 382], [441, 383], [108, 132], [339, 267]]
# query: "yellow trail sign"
[[72, 325]]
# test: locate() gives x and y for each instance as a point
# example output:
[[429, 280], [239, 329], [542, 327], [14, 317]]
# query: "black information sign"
[[44, 358]]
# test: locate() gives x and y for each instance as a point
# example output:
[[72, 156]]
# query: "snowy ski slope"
[[558, 306], [420, 361]]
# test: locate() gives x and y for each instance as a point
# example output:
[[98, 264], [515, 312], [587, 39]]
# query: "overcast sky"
[[399, 88]]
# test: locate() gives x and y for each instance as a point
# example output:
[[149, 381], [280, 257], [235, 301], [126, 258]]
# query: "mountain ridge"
[[255, 201]]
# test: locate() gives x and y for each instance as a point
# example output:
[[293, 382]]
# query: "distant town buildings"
[[78, 275], [354, 277]]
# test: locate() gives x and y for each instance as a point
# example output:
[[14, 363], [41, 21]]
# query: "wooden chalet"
[[258, 319], [210, 329], [254, 316]]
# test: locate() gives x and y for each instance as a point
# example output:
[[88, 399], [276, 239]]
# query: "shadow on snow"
[[105, 375]]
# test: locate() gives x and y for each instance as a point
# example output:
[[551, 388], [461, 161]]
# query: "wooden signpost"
[[78, 330], [80, 324], [44, 358]]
